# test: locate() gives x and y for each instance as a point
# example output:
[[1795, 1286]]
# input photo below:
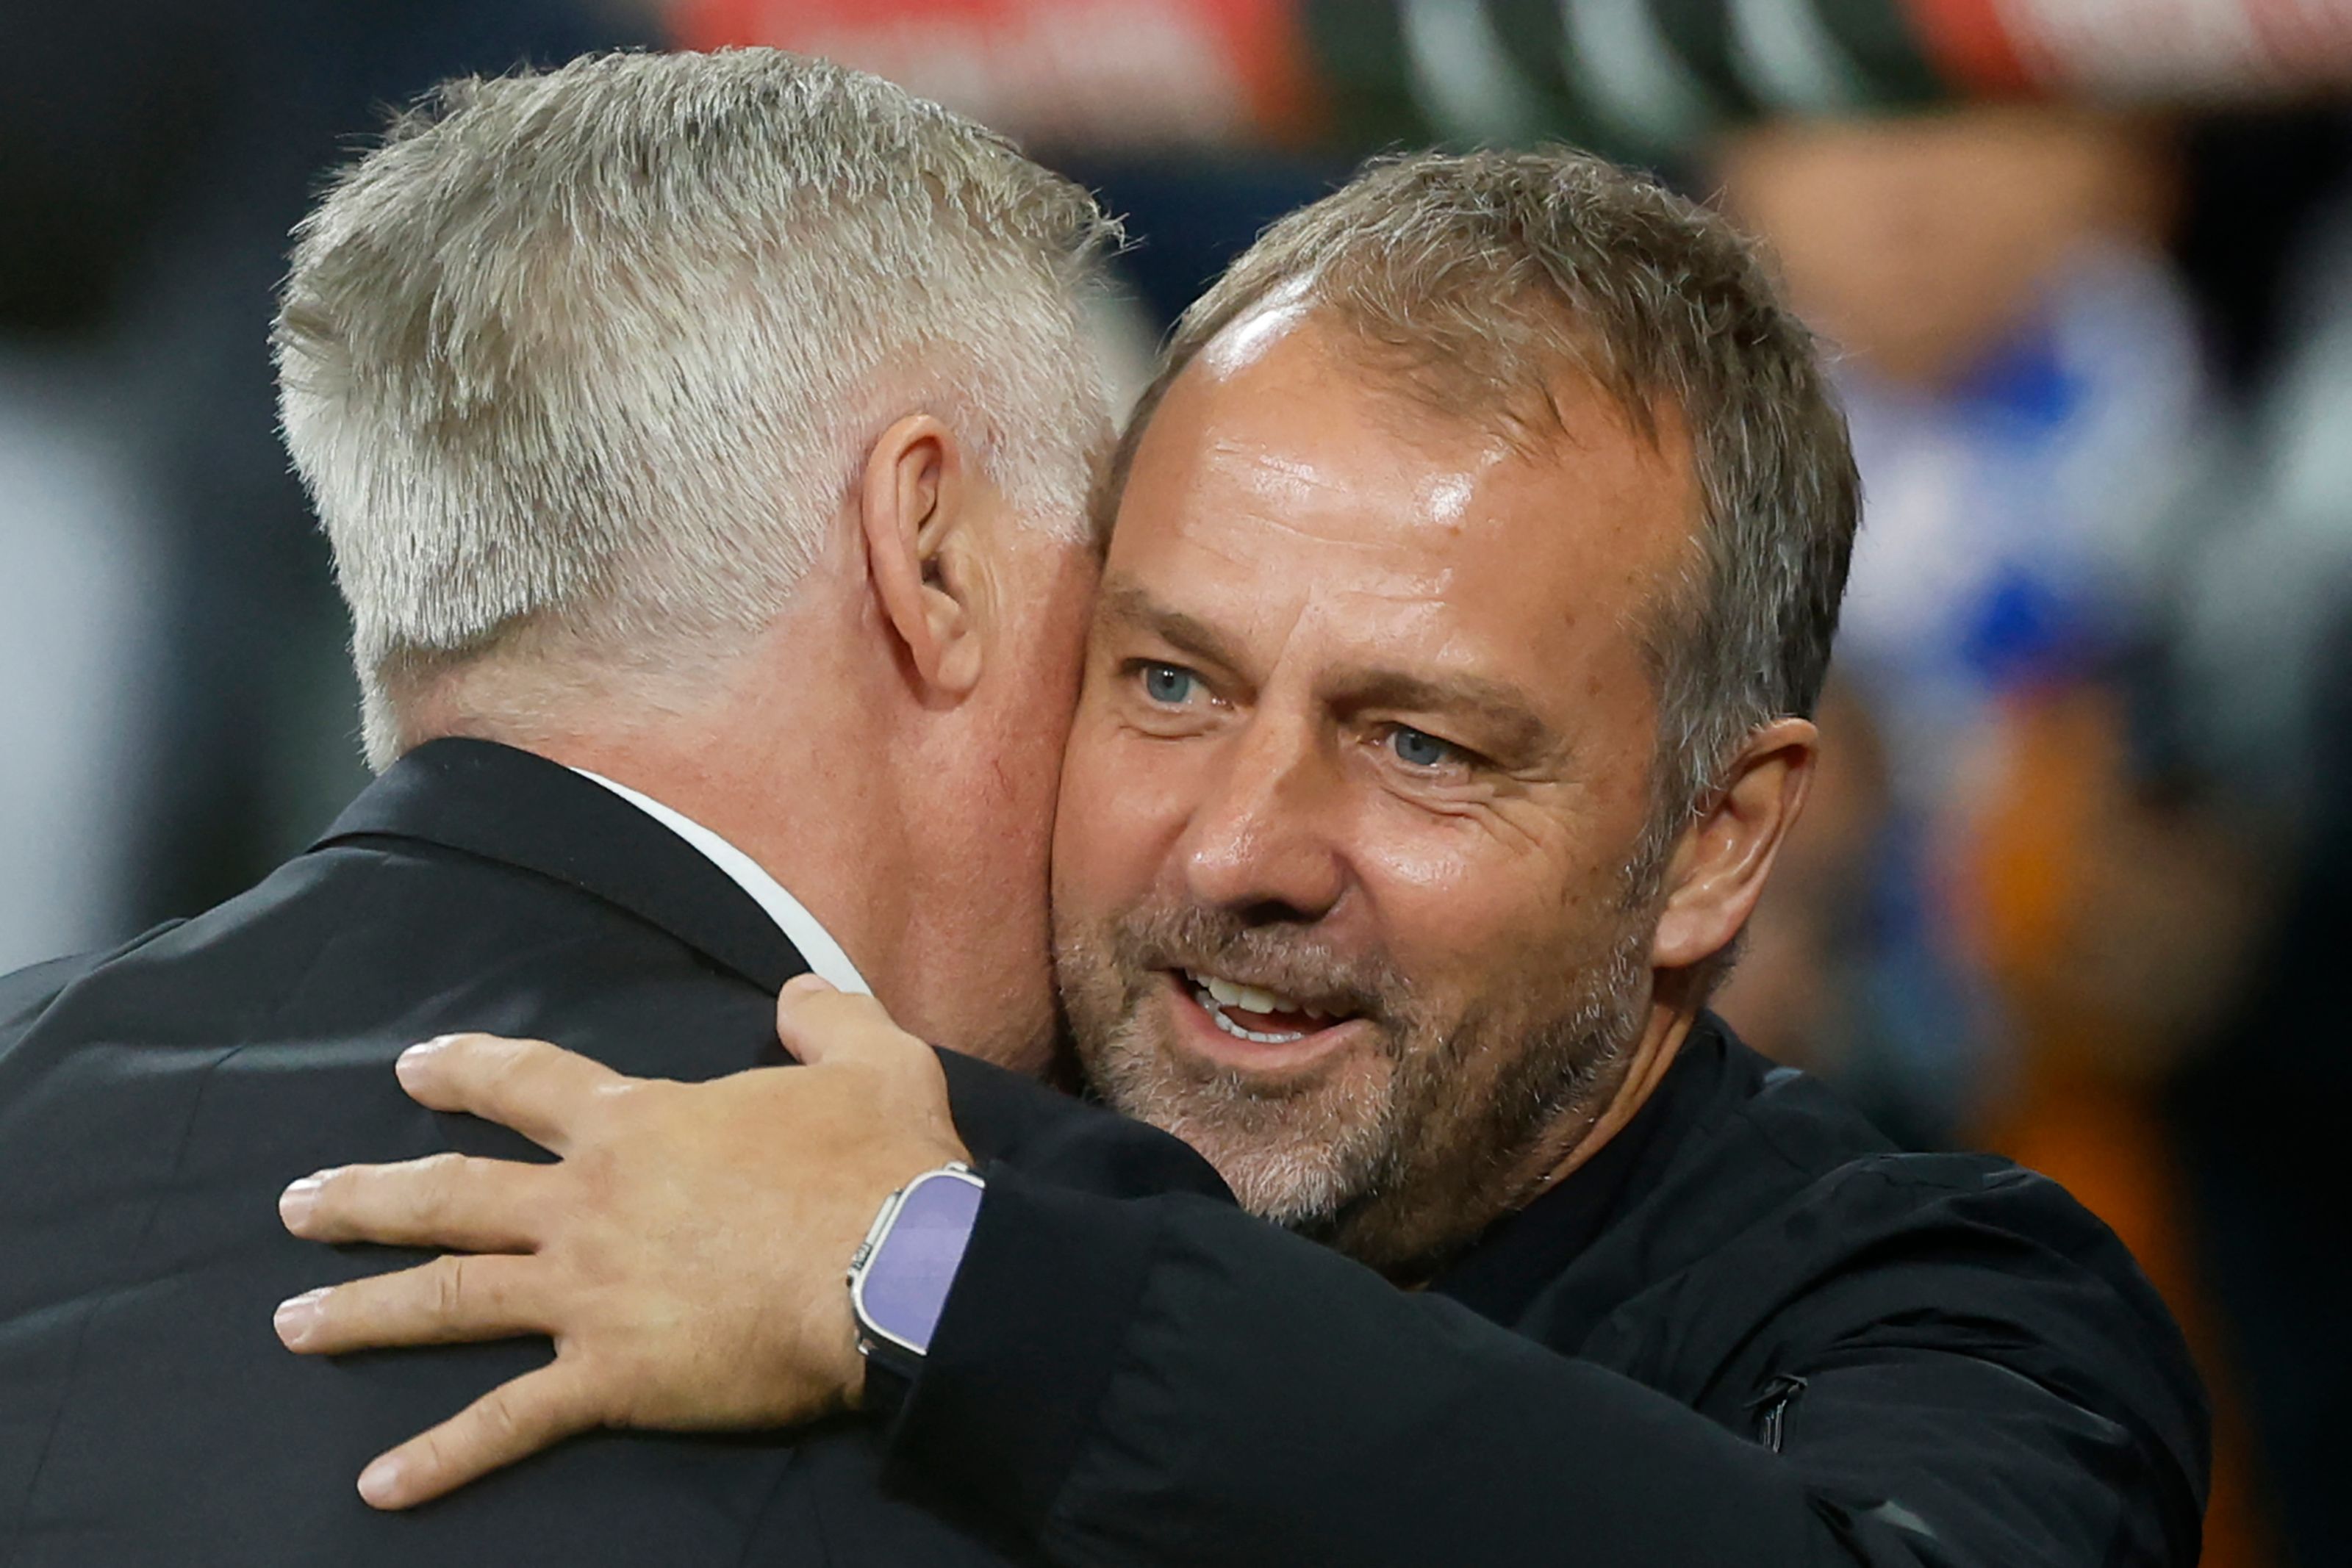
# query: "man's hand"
[[686, 1252]]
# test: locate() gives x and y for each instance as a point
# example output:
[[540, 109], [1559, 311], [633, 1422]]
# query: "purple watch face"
[[905, 1285]]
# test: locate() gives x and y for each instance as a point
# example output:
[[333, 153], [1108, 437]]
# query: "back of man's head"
[[579, 366]]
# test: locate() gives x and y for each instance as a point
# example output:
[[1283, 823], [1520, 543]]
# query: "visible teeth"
[[1229, 1027], [1216, 994], [1249, 998]]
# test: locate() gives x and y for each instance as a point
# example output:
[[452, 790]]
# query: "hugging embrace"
[[758, 617]]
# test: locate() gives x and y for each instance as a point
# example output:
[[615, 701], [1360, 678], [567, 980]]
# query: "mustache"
[[1270, 956]]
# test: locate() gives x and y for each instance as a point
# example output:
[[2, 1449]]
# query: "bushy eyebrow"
[[1508, 727], [1127, 603]]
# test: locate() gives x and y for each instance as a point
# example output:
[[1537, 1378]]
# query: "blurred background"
[[2083, 851]]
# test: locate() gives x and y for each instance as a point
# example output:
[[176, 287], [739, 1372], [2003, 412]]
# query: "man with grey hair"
[[1477, 561], [577, 424], [705, 441]]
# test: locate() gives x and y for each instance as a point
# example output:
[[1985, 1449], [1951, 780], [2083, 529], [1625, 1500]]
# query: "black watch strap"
[[890, 1374]]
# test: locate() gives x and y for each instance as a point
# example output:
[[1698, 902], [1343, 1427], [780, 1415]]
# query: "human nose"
[[1260, 840]]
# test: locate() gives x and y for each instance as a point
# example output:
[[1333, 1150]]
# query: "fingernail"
[[417, 1057], [295, 1204], [811, 984], [424, 1048], [297, 1316], [380, 1481]]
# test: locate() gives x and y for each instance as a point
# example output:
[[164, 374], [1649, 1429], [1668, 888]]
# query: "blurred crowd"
[[2073, 872]]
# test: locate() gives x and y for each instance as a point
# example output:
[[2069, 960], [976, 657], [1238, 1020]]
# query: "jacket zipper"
[[1771, 1408]]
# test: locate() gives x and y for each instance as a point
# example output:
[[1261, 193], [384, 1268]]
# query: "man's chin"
[[1296, 1146]]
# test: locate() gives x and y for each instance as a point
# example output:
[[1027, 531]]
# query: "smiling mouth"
[[1250, 1013]]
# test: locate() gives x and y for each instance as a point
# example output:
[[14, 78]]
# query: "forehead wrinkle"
[[1280, 471], [1281, 488]]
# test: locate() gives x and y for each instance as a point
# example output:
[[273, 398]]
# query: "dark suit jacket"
[[153, 1101]]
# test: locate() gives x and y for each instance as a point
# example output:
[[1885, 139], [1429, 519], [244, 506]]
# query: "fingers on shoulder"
[[449, 1300], [818, 1024], [512, 1422], [535, 1087], [442, 1200]]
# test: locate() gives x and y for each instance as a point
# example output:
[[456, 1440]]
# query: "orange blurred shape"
[[2041, 862]]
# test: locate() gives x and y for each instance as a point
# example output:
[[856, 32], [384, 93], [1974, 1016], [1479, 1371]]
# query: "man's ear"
[[1720, 865], [915, 505]]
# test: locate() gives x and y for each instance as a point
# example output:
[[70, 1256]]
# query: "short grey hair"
[[1478, 280], [594, 354]]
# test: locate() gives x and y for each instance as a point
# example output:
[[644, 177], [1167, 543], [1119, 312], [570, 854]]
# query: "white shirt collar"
[[800, 927]]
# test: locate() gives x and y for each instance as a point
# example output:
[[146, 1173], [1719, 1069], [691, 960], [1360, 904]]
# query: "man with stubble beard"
[[1477, 559]]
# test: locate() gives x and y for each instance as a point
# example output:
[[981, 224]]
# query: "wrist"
[[900, 1277]]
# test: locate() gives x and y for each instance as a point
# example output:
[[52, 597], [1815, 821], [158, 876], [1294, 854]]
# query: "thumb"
[[817, 1023]]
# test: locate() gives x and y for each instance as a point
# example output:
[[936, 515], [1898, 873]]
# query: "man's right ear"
[[914, 506]]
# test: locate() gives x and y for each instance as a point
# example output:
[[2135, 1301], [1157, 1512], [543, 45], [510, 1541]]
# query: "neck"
[[1653, 1053]]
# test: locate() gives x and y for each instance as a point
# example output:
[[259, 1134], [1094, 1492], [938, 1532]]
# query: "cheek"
[[1037, 723], [1123, 807], [1030, 740], [1468, 910]]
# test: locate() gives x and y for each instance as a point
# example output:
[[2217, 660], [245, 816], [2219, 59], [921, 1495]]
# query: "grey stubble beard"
[[1382, 1157]]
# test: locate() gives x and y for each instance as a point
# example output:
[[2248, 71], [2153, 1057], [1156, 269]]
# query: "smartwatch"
[[899, 1279]]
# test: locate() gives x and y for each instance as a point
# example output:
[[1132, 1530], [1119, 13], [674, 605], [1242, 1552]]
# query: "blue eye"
[[1415, 749], [1169, 684]]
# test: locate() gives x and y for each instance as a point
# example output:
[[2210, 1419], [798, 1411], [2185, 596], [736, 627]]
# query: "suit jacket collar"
[[521, 809]]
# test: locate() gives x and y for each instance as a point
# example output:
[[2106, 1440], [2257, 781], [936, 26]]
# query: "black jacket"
[[1746, 1333], [154, 1101]]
